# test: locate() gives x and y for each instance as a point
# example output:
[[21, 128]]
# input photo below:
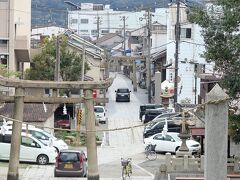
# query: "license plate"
[[68, 166]]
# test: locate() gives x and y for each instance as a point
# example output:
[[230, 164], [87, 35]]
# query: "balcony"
[[22, 49]]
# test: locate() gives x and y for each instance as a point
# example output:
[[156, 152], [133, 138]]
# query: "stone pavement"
[[108, 160]]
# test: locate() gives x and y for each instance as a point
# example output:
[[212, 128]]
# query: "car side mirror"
[[129, 91], [172, 140], [115, 91]]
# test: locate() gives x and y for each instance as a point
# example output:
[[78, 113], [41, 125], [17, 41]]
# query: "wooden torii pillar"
[[133, 64], [20, 98]]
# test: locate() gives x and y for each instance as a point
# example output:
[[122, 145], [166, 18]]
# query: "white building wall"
[[46, 31], [110, 20], [158, 42], [190, 51]]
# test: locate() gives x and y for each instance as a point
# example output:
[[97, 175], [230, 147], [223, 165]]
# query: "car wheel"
[[176, 149], [56, 149], [42, 159], [55, 174]]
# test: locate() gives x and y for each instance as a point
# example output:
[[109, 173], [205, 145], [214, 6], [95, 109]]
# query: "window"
[[118, 32], [168, 138], [84, 31], [158, 27], [26, 141], [39, 135], [69, 157], [73, 21], [158, 137], [94, 32], [5, 138], [105, 31], [123, 90], [98, 110], [84, 21], [186, 33], [4, 42]]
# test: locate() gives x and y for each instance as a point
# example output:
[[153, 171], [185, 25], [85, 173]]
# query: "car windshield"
[[144, 107], [123, 91], [98, 110], [152, 123], [68, 157], [49, 135]]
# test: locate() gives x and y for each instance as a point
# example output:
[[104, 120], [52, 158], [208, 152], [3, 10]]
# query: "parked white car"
[[170, 143], [31, 149], [100, 113], [45, 137]]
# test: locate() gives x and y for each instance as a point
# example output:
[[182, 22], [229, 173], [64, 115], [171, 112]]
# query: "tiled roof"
[[105, 37], [32, 112]]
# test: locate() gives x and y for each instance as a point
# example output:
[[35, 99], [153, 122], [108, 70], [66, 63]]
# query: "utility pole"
[[148, 60], [57, 65], [177, 38], [98, 27], [81, 92], [124, 34]]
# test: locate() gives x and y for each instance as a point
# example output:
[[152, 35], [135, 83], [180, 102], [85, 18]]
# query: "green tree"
[[43, 64], [220, 25], [5, 73]]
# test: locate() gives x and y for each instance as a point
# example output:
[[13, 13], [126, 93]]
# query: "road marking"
[[144, 170]]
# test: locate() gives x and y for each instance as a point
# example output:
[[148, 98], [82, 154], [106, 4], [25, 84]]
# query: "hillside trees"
[[43, 64]]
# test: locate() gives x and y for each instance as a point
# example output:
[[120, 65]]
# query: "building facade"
[[95, 20], [190, 63], [15, 31]]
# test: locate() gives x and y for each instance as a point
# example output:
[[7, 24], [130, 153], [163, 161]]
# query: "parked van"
[[45, 137], [31, 149], [100, 113]]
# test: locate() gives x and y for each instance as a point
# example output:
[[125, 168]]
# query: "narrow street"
[[124, 114]]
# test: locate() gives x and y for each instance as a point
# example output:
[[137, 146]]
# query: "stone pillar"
[[93, 173], [202, 163], [134, 79], [158, 89], [216, 133], [185, 162], [13, 173]]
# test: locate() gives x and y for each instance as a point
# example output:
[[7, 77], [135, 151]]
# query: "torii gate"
[[131, 59], [20, 98]]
